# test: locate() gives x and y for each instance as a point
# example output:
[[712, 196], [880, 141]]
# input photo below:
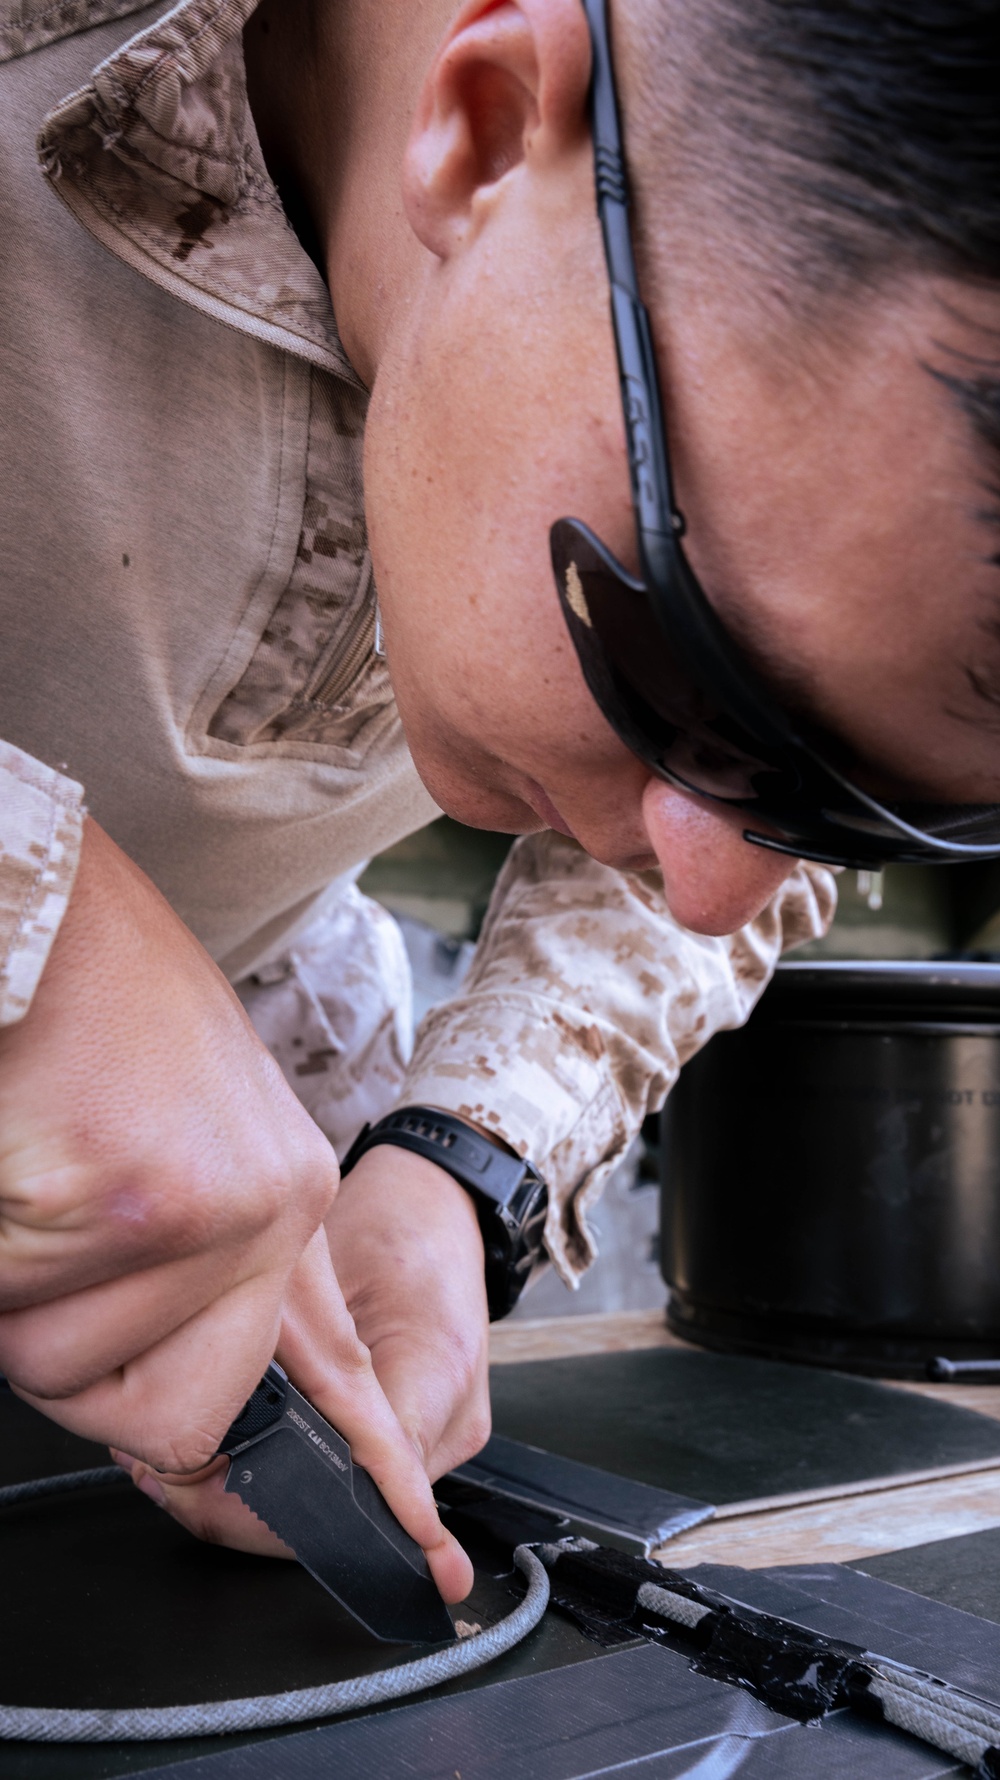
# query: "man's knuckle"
[[316, 1178], [170, 1209], [182, 1453], [273, 1191], [462, 1361], [321, 1188], [290, 1187], [477, 1426], [189, 1507], [354, 1361], [202, 1526]]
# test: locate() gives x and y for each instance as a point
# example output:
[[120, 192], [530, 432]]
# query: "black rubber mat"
[[725, 1429], [106, 1601], [962, 1572], [640, 1712], [596, 1504]]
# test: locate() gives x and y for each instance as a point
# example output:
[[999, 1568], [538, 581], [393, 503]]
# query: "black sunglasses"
[[663, 670]]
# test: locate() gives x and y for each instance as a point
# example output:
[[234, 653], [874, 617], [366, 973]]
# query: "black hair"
[[882, 118], [867, 129], [846, 140]]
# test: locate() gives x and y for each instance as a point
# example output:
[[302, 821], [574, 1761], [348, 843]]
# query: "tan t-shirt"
[[188, 612]]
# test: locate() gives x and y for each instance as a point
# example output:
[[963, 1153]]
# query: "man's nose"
[[714, 879]]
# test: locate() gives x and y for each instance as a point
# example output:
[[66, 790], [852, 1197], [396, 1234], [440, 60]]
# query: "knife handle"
[[266, 1405]]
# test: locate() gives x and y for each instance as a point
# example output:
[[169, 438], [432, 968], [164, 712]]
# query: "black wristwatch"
[[509, 1195]]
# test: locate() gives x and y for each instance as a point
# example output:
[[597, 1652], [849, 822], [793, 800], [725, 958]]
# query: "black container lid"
[[936, 990]]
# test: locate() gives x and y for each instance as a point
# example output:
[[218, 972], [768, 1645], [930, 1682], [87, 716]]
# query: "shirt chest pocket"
[[315, 678]]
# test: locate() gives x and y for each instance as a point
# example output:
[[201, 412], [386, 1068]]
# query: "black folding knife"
[[297, 1475]]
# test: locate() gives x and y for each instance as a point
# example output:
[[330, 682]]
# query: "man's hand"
[[321, 1350], [161, 1197], [408, 1252]]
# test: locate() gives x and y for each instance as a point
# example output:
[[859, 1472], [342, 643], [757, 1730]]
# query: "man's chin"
[[545, 809], [476, 804]]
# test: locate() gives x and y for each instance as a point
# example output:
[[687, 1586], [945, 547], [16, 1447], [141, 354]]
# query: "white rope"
[[930, 1724], [957, 1723], [58, 1486], [979, 1714], [667, 1606], [45, 1724]]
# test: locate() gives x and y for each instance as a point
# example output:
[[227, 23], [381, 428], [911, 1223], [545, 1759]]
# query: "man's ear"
[[508, 85]]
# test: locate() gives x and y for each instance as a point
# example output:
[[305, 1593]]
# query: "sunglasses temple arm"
[[774, 845], [658, 521]]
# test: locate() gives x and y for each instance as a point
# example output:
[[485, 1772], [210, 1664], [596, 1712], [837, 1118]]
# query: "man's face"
[[837, 517]]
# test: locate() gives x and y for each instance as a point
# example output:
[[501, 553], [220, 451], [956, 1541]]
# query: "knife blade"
[[295, 1472]]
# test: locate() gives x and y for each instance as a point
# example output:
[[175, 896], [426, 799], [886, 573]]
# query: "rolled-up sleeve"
[[41, 828], [584, 1000]]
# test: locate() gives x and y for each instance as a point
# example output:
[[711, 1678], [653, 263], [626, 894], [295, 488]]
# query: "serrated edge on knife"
[[233, 1490]]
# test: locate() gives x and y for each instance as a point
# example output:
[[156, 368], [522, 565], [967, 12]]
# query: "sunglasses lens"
[[674, 723], [642, 686]]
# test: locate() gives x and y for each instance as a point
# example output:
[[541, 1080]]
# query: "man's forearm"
[[584, 1000]]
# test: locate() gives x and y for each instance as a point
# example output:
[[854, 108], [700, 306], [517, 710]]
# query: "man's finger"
[[172, 1405], [320, 1349], [445, 1411], [408, 1254], [59, 1349]]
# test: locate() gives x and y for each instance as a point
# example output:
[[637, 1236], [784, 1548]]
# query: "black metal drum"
[[831, 1172]]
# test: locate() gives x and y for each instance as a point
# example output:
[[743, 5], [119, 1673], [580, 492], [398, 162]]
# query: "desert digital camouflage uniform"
[[189, 636]]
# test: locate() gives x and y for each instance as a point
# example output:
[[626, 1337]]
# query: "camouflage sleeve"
[[583, 1001], [41, 827]]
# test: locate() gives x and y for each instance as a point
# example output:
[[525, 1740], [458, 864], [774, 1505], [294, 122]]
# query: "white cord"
[[957, 1723], [954, 1722], [44, 1724], [58, 1486]]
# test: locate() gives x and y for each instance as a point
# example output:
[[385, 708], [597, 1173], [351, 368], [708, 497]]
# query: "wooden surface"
[[839, 1529], [556, 1337], [841, 1526]]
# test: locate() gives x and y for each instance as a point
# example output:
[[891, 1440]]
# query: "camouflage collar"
[[158, 157], [29, 24]]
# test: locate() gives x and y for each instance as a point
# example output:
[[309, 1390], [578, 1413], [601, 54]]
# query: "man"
[[191, 632]]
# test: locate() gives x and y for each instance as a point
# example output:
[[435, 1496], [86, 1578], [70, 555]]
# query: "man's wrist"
[[402, 1228], [410, 1185], [508, 1193]]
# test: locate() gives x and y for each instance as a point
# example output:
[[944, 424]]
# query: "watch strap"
[[509, 1194]]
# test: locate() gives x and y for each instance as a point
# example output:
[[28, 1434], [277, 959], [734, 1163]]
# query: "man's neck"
[[333, 88]]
